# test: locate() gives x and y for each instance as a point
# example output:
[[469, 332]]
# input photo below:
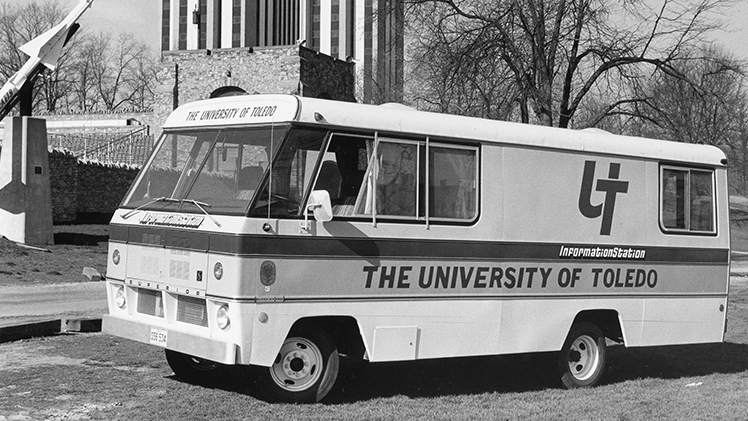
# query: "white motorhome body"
[[435, 236]]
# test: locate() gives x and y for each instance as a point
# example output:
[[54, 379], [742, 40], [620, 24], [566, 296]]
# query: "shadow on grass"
[[361, 381], [443, 377], [673, 362], [78, 239]]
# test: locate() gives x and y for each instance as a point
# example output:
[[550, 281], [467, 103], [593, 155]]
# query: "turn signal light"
[[119, 297], [222, 317]]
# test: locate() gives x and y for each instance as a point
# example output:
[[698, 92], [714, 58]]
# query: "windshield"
[[219, 170]]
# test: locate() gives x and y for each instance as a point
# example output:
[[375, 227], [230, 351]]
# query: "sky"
[[142, 18]]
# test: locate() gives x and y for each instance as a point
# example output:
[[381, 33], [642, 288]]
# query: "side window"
[[452, 182], [397, 179], [393, 181], [687, 200], [420, 180]]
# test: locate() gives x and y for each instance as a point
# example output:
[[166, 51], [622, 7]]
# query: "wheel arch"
[[343, 330], [607, 320]]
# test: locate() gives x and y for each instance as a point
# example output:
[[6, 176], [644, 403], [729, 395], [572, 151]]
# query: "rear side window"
[[687, 203]]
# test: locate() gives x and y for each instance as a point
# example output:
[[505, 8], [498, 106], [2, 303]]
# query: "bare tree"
[[94, 73], [449, 74], [142, 80], [738, 152], [559, 51], [704, 101], [20, 24], [82, 94], [699, 105], [118, 68]]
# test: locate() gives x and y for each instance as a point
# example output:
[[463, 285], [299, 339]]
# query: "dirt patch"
[[11, 249], [69, 377], [20, 356], [24, 355]]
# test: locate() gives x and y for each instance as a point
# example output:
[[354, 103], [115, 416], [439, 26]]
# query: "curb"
[[48, 328]]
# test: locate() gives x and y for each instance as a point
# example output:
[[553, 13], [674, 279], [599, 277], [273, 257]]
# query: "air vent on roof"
[[396, 105], [596, 130]]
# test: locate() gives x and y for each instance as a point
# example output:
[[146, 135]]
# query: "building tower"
[[366, 34]]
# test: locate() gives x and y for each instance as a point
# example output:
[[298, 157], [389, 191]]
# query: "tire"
[[190, 368], [582, 359], [304, 371]]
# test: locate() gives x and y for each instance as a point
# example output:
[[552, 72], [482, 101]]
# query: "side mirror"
[[319, 203]]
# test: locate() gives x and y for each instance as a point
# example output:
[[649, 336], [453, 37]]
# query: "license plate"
[[158, 337]]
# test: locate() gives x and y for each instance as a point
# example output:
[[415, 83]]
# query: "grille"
[[150, 302], [179, 269], [192, 310]]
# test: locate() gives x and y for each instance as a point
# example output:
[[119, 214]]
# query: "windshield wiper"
[[199, 205], [160, 199]]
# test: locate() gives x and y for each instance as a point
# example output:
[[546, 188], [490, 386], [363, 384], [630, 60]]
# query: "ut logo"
[[611, 187]]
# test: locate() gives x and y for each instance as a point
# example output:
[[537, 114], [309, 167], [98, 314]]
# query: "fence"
[[86, 190], [131, 148]]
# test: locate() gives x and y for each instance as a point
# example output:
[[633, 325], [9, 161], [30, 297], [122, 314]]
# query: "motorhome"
[[282, 232]]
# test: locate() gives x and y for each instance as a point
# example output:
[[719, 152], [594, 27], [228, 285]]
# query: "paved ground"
[[739, 264], [27, 304]]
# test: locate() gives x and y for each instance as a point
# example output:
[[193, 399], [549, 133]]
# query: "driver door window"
[[291, 176]]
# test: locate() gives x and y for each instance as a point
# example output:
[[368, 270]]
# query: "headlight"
[[116, 256], [218, 270], [222, 317], [119, 297]]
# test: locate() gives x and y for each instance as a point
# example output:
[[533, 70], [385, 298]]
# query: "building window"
[[165, 25], [182, 25]]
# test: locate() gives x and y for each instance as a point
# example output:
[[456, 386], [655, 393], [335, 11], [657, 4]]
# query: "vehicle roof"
[[394, 119]]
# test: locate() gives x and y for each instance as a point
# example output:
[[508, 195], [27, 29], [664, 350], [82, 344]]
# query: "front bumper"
[[186, 343]]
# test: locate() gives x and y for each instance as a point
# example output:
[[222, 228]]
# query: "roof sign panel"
[[234, 111]]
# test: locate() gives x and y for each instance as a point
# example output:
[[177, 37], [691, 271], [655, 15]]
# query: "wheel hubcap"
[[584, 357], [298, 365]]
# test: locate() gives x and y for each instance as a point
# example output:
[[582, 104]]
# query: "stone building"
[[349, 50]]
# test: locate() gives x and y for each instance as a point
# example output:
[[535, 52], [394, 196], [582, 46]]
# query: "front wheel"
[[190, 368], [304, 370], [581, 361]]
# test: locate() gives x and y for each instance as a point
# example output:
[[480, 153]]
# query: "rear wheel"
[[582, 359], [190, 368], [304, 370]]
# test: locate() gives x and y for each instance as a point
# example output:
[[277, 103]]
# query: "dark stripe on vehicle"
[[349, 247]]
